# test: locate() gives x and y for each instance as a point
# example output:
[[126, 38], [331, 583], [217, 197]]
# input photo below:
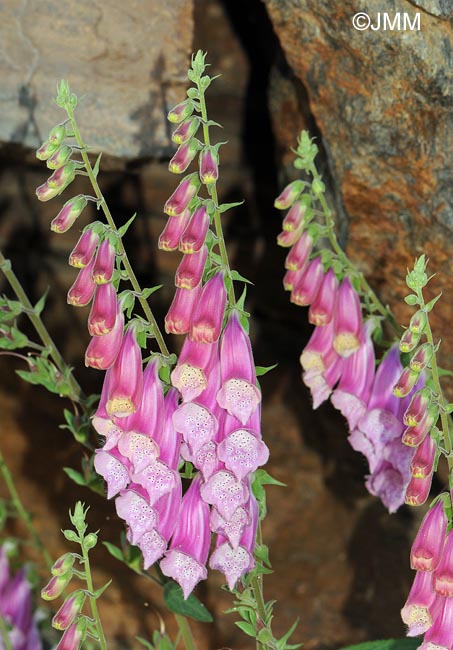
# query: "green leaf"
[[227, 206], [282, 642], [263, 370], [96, 165], [247, 628], [75, 476], [239, 278], [122, 231], [41, 302], [116, 552], [432, 302], [389, 644], [146, 293], [98, 593], [192, 607]]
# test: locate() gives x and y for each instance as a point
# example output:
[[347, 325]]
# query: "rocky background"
[[379, 102]]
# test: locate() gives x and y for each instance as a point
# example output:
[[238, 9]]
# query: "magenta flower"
[[422, 464], [171, 234], [114, 469], [440, 634], [414, 435], [297, 257], [157, 479], [241, 449], [85, 249], [147, 419], [307, 287], [319, 354], [347, 320], [103, 312], [322, 383], [418, 407], [180, 112], [323, 306], [166, 437], [190, 270], [196, 423], [193, 367], [82, 291], [126, 379], [295, 217], [238, 393], [422, 606], [73, 637], [443, 573], [179, 317], [209, 166], [288, 238], [56, 585], [406, 382], [207, 317], [428, 544], [417, 490], [105, 263], [289, 195], [185, 561], [103, 350], [184, 156], [69, 610], [68, 214], [182, 196], [225, 493], [232, 530], [185, 130], [194, 235]]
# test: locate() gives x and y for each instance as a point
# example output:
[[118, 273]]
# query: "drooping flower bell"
[[347, 320], [180, 112], [185, 130], [103, 350], [84, 250], [126, 380], [82, 290], [103, 312], [289, 195], [207, 316], [68, 214], [422, 606], [104, 263], [184, 156], [428, 544], [209, 166], [179, 316], [193, 367], [194, 235], [182, 196], [171, 234], [307, 287], [323, 306], [190, 270]]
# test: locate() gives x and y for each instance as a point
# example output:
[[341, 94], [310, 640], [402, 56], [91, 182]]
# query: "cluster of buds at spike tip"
[[429, 606], [20, 624], [57, 154]]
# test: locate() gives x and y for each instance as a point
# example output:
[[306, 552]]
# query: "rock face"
[[382, 102], [128, 59]]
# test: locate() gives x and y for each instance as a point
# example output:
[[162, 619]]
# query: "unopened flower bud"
[[209, 166], [406, 382], [422, 357], [182, 196], [190, 270], [71, 210], [289, 195], [294, 218], [288, 238], [418, 407], [307, 287], [62, 565], [298, 256], [102, 316], [184, 156], [105, 263], [46, 150], [418, 322], [90, 541], [409, 341], [85, 249], [56, 586], [44, 192], [418, 490], [194, 235], [171, 234], [185, 131], [82, 291], [60, 157], [73, 637], [179, 317], [62, 177], [422, 464], [69, 610], [180, 112], [427, 547], [57, 134], [414, 435]]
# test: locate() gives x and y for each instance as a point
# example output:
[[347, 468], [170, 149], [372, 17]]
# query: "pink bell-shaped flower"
[[73, 637], [68, 214], [132, 506], [179, 317], [185, 130], [190, 270], [186, 559], [182, 196], [440, 634], [171, 234], [103, 312], [295, 217], [105, 263], [289, 195], [422, 464], [306, 289], [184, 156], [443, 573], [69, 610], [225, 492], [180, 112], [114, 469], [428, 544], [297, 257], [103, 350], [82, 291], [318, 354], [242, 450], [422, 606], [193, 367], [207, 317], [85, 249], [323, 306], [126, 379], [347, 320], [417, 490], [209, 166], [194, 235]]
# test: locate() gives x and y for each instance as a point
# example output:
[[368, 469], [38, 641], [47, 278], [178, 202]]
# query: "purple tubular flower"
[[427, 547], [295, 217], [182, 196], [180, 112], [207, 317], [440, 634], [186, 559], [84, 250], [291, 278], [223, 491], [347, 320], [126, 380], [193, 367], [171, 234], [422, 606], [306, 289], [69, 610], [157, 479], [82, 291], [104, 263], [422, 464], [318, 354], [236, 562], [194, 234], [168, 439], [209, 166], [132, 506], [103, 350], [196, 423], [289, 195], [179, 317], [323, 306], [184, 156], [354, 389], [238, 393], [297, 257], [232, 530], [190, 270], [417, 490], [102, 316], [73, 637], [62, 176], [68, 214], [185, 130], [15, 608], [443, 573], [60, 157], [114, 469]]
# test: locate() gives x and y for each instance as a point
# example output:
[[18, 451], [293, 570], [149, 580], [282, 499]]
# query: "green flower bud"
[[90, 540], [46, 150], [62, 565], [60, 157], [57, 134]]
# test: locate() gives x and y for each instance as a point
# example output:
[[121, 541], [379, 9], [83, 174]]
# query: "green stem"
[[41, 330], [365, 287], [93, 603], [4, 634], [22, 512], [213, 192], [127, 265], [186, 634], [257, 586]]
